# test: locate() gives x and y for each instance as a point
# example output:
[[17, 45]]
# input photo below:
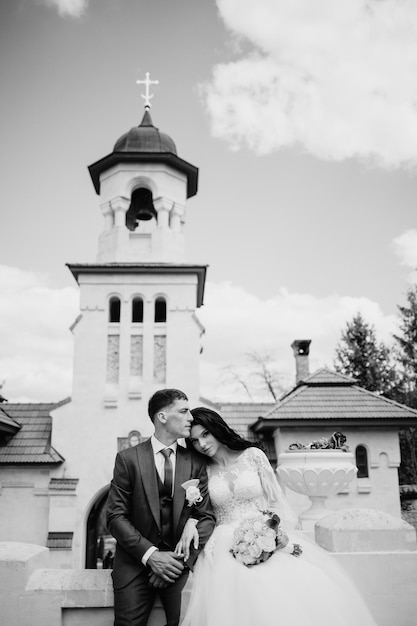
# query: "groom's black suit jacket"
[[133, 510]]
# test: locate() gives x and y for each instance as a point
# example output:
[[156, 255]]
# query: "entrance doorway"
[[100, 544]]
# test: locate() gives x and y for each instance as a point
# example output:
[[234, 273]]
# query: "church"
[[138, 331]]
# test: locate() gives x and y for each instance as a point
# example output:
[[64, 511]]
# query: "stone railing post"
[[378, 552], [18, 561]]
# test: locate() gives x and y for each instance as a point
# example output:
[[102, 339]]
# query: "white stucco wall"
[[86, 430], [24, 504]]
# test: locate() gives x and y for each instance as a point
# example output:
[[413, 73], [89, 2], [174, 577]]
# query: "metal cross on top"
[[147, 96]]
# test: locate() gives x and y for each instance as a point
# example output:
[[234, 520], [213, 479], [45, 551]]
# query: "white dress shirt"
[[159, 458]]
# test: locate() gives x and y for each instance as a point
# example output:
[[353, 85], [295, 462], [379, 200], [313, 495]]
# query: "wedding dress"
[[310, 590]]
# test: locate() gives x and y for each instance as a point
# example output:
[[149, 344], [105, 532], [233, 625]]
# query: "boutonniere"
[[192, 492]]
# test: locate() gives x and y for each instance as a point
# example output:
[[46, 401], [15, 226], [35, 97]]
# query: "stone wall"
[[377, 551], [18, 561], [33, 595]]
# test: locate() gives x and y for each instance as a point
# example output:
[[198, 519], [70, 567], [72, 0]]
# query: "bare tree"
[[232, 375], [265, 373], [261, 374]]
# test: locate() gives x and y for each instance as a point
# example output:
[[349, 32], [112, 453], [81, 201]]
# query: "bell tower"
[[138, 300], [143, 187], [137, 330]]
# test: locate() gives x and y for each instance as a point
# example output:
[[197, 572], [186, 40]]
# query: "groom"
[[147, 513]]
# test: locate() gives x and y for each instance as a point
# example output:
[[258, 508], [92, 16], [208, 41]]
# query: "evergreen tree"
[[372, 365], [407, 392], [360, 356], [407, 348]]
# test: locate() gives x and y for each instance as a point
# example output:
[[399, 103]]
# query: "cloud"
[[333, 78], [36, 344], [238, 323], [69, 8], [405, 247]]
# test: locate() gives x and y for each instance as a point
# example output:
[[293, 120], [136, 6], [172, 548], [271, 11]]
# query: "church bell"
[[141, 208]]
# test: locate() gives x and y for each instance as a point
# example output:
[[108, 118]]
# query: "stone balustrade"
[[377, 550]]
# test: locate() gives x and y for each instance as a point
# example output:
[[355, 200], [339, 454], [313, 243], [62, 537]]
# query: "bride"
[[300, 585]]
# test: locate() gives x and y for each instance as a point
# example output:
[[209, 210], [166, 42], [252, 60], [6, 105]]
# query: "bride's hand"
[[189, 535], [297, 550], [292, 548]]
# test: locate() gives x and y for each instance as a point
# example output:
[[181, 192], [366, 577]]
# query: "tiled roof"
[[240, 415], [328, 377], [327, 395], [7, 424], [63, 484], [32, 443], [59, 541]]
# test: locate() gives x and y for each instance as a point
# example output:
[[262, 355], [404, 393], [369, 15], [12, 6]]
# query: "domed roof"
[[145, 144], [145, 138]]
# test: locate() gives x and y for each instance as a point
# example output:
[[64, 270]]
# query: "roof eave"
[[32, 463], [168, 158], [145, 268], [269, 425], [9, 429], [8, 425]]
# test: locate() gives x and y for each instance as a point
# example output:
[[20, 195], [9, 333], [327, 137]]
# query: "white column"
[[120, 205], [108, 215], [163, 206], [176, 217]]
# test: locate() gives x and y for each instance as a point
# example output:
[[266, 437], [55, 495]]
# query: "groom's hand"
[[189, 535], [166, 565], [157, 582]]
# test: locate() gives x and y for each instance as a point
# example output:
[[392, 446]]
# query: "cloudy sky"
[[302, 118]]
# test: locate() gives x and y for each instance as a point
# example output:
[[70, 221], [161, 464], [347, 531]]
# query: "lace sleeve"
[[273, 494]]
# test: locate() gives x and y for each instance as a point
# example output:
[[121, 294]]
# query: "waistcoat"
[[166, 508]]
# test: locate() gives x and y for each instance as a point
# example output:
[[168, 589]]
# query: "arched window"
[[160, 310], [114, 309], [362, 462], [137, 310]]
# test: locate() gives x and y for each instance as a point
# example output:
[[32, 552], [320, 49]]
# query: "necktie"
[[167, 469]]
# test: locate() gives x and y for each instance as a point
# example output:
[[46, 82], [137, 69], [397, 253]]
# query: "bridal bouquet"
[[257, 537]]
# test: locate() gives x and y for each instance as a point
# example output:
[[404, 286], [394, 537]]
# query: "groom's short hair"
[[163, 398]]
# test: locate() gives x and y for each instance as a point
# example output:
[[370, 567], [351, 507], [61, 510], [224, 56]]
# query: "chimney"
[[301, 349]]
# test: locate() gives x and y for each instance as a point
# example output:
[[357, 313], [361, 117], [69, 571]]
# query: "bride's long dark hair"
[[216, 426]]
